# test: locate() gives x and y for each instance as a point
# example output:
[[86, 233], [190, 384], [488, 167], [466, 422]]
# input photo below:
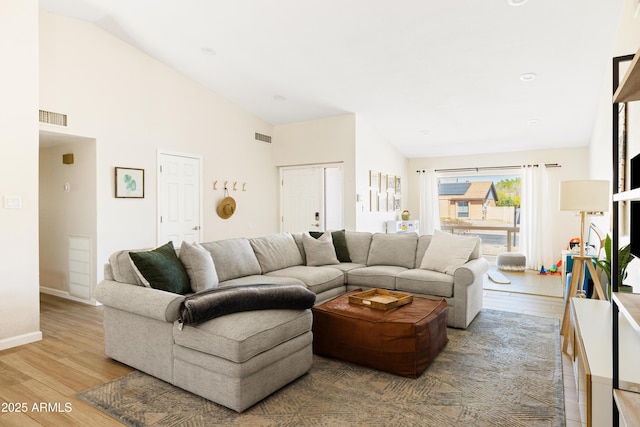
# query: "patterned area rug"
[[505, 370]]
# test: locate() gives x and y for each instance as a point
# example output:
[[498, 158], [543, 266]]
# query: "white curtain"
[[429, 203], [534, 212]]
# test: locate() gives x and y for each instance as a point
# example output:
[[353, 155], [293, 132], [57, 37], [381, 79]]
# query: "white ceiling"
[[434, 77]]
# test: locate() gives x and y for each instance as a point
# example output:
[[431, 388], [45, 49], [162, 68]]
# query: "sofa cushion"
[[446, 252], [426, 282], [320, 250], [276, 251], [317, 279], [393, 249], [240, 336], [122, 269], [377, 276], [358, 243], [199, 265], [233, 258], [339, 243], [162, 269], [256, 279]]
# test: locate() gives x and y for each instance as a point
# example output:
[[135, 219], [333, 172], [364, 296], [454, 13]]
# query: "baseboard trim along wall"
[[20, 340], [67, 295]]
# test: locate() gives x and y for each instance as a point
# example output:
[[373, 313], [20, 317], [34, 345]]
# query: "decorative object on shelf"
[[406, 216], [585, 197], [129, 183]]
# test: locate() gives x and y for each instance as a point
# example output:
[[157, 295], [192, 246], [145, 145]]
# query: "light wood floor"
[[70, 359]]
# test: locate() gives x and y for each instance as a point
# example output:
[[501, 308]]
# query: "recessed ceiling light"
[[533, 121], [425, 131], [527, 77], [208, 51], [516, 2], [279, 98]]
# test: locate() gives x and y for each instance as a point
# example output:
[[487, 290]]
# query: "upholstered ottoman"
[[239, 359], [511, 261], [403, 340]]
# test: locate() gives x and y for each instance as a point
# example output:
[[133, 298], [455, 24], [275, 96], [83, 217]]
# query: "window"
[[463, 209], [483, 205]]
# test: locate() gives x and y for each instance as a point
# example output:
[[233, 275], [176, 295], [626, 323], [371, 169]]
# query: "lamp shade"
[[584, 196]]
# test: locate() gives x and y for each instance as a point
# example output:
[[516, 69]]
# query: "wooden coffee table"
[[402, 340]]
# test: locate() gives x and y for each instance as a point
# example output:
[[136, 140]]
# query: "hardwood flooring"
[[39, 381]]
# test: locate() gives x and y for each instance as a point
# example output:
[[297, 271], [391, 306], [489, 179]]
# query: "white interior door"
[[179, 207], [302, 199]]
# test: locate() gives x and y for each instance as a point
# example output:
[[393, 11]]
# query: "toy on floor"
[[551, 271]]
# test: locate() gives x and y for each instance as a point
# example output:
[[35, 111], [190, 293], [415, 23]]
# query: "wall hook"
[[215, 185], [244, 185], [225, 185], [235, 185]]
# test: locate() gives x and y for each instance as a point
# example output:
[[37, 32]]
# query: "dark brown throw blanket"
[[206, 305]]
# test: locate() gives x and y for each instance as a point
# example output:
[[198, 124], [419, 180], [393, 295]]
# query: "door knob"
[[317, 224], [197, 227]]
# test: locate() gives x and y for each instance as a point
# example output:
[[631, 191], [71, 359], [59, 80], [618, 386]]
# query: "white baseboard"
[[20, 340], [67, 295]]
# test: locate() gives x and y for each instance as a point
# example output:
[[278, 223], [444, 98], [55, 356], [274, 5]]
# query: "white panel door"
[[302, 199], [179, 182]]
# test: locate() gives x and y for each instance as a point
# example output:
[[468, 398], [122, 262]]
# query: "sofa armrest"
[[468, 273], [148, 302]]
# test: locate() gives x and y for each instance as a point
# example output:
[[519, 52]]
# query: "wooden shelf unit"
[[629, 89], [625, 307]]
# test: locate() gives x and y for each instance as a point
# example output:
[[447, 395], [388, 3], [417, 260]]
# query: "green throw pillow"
[[339, 243], [162, 269]]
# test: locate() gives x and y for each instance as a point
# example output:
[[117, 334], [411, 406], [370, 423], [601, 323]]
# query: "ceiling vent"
[[52, 118], [263, 138]]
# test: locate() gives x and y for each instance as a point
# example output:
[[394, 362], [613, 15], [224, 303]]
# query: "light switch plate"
[[12, 202]]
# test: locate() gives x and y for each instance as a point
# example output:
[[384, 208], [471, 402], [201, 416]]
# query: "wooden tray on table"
[[380, 299]]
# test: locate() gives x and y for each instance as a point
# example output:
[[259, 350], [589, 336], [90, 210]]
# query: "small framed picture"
[[391, 184], [382, 202], [398, 186], [374, 180], [383, 182], [129, 183], [373, 200]]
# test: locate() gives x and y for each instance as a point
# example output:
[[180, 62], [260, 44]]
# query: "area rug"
[[528, 282], [504, 370]]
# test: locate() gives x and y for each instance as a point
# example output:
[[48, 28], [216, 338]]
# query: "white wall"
[[328, 140], [574, 162], [19, 299], [627, 42], [64, 214], [375, 153], [133, 106]]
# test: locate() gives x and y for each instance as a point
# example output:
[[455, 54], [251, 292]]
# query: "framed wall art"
[[129, 183]]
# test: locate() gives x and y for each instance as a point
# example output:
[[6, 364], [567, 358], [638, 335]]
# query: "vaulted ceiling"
[[433, 77]]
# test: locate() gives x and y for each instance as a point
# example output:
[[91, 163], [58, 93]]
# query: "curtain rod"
[[477, 169]]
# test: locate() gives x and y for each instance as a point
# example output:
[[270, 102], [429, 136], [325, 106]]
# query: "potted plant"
[[624, 258]]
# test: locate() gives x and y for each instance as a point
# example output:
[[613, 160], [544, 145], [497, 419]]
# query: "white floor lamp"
[[584, 197]]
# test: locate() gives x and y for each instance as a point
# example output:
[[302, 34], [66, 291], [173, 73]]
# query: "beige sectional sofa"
[[238, 359]]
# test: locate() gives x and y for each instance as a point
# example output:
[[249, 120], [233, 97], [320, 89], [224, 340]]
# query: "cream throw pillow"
[[446, 252], [319, 251], [199, 265]]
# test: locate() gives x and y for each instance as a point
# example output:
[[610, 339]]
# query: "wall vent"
[[52, 118], [263, 138]]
